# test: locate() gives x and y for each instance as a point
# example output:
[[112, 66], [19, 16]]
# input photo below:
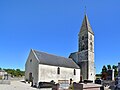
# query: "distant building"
[[2, 74]]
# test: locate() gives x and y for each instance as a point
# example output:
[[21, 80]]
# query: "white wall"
[[48, 73], [91, 66], [2, 73]]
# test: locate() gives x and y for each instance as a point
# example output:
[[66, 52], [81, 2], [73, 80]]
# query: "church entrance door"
[[30, 77]]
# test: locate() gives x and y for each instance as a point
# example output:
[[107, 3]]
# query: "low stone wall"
[[5, 82]]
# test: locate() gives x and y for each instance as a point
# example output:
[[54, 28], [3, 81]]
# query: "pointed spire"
[[85, 10], [86, 25]]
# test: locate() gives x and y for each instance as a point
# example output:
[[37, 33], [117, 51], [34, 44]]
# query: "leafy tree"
[[0, 68], [14, 72], [109, 66], [116, 67], [113, 67], [115, 72], [18, 72], [104, 72], [104, 69]]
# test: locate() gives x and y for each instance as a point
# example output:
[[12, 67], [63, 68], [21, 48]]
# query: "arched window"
[[58, 70], [74, 72]]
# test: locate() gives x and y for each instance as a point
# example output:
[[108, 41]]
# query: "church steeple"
[[86, 50], [85, 55], [86, 25]]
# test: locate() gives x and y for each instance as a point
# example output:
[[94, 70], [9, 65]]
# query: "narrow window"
[[30, 60], [82, 37], [74, 72], [58, 70], [91, 46], [83, 47], [90, 37]]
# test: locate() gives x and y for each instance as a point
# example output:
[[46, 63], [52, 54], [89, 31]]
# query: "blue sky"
[[52, 26]]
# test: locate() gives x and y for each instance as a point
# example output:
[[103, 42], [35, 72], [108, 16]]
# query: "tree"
[[14, 72], [113, 67], [104, 69], [109, 66], [104, 72], [0, 68], [115, 72], [18, 72]]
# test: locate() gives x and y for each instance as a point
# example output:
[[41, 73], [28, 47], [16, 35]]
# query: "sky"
[[52, 26]]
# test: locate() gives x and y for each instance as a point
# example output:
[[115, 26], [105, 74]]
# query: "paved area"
[[18, 85]]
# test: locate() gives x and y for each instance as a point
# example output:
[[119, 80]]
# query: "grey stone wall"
[[83, 41], [82, 56], [74, 57], [84, 69], [86, 50], [31, 66]]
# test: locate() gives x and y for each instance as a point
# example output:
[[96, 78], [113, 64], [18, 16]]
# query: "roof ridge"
[[51, 54]]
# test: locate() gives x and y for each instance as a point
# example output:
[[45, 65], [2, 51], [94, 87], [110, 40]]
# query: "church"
[[44, 67]]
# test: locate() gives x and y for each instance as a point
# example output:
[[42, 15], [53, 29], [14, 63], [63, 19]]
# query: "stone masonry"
[[85, 55]]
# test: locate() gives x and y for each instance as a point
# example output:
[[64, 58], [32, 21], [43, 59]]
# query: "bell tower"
[[86, 50], [84, 57]]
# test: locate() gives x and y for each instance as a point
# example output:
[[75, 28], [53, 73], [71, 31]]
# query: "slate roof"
[[86, 25], [49, 59]]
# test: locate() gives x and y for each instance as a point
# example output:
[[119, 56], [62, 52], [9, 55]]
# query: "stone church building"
[[44, 67]]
